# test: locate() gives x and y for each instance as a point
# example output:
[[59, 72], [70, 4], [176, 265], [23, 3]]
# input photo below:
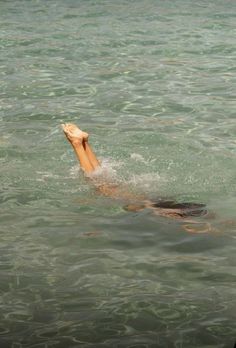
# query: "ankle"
[[76, 142], [85, 136]]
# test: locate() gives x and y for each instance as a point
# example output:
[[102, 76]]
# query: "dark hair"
[[185, 209]]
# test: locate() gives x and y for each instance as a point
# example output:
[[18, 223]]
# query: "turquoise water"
[[154, 83]]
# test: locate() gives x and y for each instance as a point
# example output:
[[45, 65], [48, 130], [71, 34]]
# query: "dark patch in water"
[[185, 209]]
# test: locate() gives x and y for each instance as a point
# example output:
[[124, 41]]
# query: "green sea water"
[[154, 83]]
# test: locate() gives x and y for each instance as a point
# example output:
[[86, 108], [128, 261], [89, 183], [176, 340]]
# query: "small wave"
[[139, 158], [43, 176], [74, 171], [148, 181]]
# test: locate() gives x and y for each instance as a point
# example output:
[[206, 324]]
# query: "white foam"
[[148, 181], [139, 158], [106, 172], [74, 171]]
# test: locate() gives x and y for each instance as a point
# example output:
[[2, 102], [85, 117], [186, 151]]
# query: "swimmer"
[[90, 164]]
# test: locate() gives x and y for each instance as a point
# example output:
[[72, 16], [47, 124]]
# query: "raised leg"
[[91, 156], [87, 148], [76, 138], [89, 152]]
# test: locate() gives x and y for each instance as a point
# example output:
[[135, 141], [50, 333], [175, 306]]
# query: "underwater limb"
[[199, 227]]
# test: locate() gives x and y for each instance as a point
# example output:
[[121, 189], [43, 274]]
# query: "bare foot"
[[74, 134]]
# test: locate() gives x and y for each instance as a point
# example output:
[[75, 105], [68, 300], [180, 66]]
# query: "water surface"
[[154, 83]]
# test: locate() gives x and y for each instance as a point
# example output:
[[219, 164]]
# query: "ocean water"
[[154, 83]]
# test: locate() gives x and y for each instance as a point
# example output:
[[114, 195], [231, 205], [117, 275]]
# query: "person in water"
[[166, 208]]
